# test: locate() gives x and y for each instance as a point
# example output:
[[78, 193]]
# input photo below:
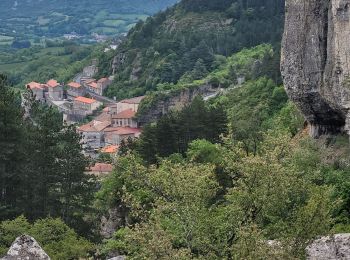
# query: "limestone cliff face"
[[315, 62]]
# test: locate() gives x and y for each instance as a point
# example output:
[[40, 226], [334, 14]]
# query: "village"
[[111, 122]]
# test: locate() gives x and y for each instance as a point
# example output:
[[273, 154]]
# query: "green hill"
[[167, 46]]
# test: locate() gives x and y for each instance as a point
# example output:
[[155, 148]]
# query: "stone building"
[[86, 104], [75, 89], [93, 135], [125, 118], [115, 135], [132, 103], [55, 90], [38, 90]]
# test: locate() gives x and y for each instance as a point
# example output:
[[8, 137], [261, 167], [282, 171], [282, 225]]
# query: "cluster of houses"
[[71, 98], [115, 124], [108, 129]]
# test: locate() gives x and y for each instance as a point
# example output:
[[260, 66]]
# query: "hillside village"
[[110, 122]]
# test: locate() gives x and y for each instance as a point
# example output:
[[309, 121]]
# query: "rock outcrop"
[[315, 62], [330, 248], [116, 218], [26, 248], [174, 101]]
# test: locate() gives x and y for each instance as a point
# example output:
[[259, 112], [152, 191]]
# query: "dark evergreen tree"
[[12, 131]]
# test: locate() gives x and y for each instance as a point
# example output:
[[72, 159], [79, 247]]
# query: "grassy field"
[[6, 40], [114, 23]]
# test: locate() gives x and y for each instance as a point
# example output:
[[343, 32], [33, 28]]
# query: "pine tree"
[[199, 71], [11, 152]]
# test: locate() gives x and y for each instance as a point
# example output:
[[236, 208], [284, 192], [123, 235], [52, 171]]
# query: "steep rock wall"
[[315, 62]]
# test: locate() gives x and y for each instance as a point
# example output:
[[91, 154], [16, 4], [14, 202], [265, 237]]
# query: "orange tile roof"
[[126, 114], [110, 149], [135, 100], [94, 126], [34, 85], [85, 100], [74, 85], [102, 167], [52, 83]]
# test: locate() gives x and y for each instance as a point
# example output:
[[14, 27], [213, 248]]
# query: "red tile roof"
[[101, 167], [85, 100], [110, 149], [34, 85], [135, 100], [74, 85], [52, 83], [126, 114]]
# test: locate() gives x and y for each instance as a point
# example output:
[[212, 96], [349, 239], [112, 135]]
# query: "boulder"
[[26, 248], [330, 248]]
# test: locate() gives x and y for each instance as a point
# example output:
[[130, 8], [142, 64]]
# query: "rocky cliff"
[[175, 100], [315, 62]]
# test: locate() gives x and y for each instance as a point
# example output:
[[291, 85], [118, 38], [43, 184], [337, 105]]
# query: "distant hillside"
[[183, 42], [26, 19]]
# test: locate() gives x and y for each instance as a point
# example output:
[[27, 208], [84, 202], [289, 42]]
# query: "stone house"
[[93, 135], [132, 103], [124, 119], [75, 89], [55, 90], [115, 135], [96, 86], [103, 83], [86, 104], [38, 90]]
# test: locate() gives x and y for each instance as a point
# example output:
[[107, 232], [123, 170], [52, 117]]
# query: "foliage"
[[57, 239], [270, 199], [174, 131], [41, 168], [162, 51], [248, 64]]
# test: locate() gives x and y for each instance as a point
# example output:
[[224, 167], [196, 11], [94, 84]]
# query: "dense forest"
[[167, 46], [232, 177]]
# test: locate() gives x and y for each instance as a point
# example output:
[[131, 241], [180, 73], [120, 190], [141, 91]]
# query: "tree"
[[199, 71], [11, 152], [58, 240]]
